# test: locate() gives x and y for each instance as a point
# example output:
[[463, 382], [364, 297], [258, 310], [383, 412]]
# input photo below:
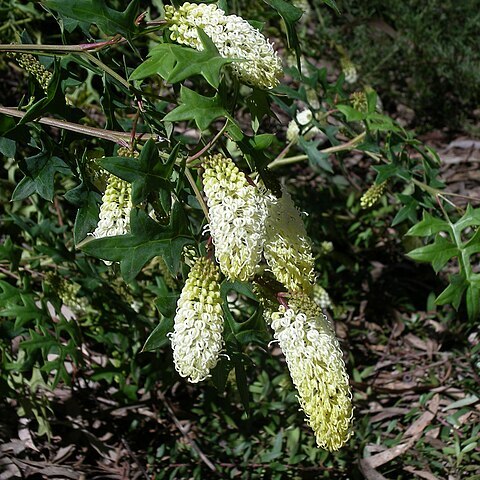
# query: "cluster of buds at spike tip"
[[67, 292], [317, 369], [321, 297], [359, 101], [288, 248], [234, 38], [32, 66], [198, 325], [373, 195], [237, 212]]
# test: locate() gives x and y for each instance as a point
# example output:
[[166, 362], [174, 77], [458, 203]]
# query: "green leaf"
[[193, 106], [242, 381], [351, 114], [96, 11], [332, 4], [39, 342], [429, 225], [454, 292], [147, 173], [438, 253], [317, 159], [473, 299], [175, 63], [409, 210], [147, 240], [39, 176], [290, 15], [7, 147], [158, 338], [386, 171], [259, 106], [167, 304], [87, 214]]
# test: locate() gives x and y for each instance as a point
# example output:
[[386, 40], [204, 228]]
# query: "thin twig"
[[337, 148], [121, 138], [184, 432], [83, 47], [209, 145], [135, 458], [200, 199]]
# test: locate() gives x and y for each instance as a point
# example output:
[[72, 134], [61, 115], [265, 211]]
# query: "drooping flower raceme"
[[288, 249], [115, 209], [317, 369], [233, 36], [197, 337], [237, 213]]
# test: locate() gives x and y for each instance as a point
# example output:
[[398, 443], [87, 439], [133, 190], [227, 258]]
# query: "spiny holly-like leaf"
[[175, 63], [147, 173], [438, 253], [39, 176], [409, 210], [147, 240], [96, 11], [469, 219], [429, 225], [18, 304], [454, 292], [203, 110], [317, 159]]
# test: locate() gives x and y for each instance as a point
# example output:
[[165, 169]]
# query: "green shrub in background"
[[421, 54], [143, 113]]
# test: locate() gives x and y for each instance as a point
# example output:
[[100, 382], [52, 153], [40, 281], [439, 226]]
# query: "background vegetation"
[[78, 395]]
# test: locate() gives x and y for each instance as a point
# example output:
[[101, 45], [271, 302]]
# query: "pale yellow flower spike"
[[316, 366], [288, 249], [233, 36], [198, 325]]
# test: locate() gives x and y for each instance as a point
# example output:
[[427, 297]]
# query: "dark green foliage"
[[421, 54]]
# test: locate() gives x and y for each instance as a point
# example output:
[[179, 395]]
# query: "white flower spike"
[[237, 213], [233, 36], [288, 249]]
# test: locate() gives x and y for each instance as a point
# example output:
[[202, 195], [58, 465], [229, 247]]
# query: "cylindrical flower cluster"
[[238, 214], [315, 362], [288, 249], [233, 36], [31, 65], [115, 209], [373, 195], [197, 337]]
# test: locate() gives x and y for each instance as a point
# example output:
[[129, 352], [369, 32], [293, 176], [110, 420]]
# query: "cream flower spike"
[[115, 209], [316, 366], [288, 249], [237, 213], [233, 36], [198, 325]]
